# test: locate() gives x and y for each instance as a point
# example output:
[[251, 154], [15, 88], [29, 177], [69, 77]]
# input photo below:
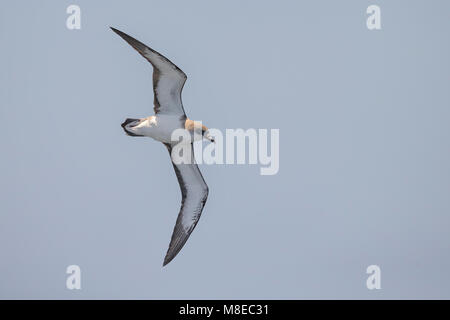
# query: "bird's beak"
[[209, 137]]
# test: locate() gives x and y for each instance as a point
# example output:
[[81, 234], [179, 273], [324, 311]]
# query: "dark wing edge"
[[162, 68], [180, 233]]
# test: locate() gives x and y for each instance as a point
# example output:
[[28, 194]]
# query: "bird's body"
[[161, 127], [168, 82]]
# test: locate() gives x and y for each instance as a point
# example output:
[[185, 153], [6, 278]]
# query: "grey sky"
[[364, 150]]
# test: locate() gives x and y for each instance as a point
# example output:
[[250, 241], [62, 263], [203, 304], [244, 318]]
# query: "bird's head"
[[207, 135], [197, 127]]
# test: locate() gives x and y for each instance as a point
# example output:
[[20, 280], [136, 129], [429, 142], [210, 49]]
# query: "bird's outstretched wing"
[[168, 79], [194, 192]]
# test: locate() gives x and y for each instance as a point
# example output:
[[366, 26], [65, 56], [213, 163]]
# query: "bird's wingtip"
[[115, 30], [167, 259]]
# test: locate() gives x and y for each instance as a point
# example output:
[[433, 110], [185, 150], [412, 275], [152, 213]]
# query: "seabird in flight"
[[168, 82]]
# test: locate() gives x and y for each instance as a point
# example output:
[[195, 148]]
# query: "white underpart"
[[158, 127], [140, 125]]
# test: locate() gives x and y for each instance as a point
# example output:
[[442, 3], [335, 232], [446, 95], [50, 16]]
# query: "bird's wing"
[[194, 192], [168, 79]]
